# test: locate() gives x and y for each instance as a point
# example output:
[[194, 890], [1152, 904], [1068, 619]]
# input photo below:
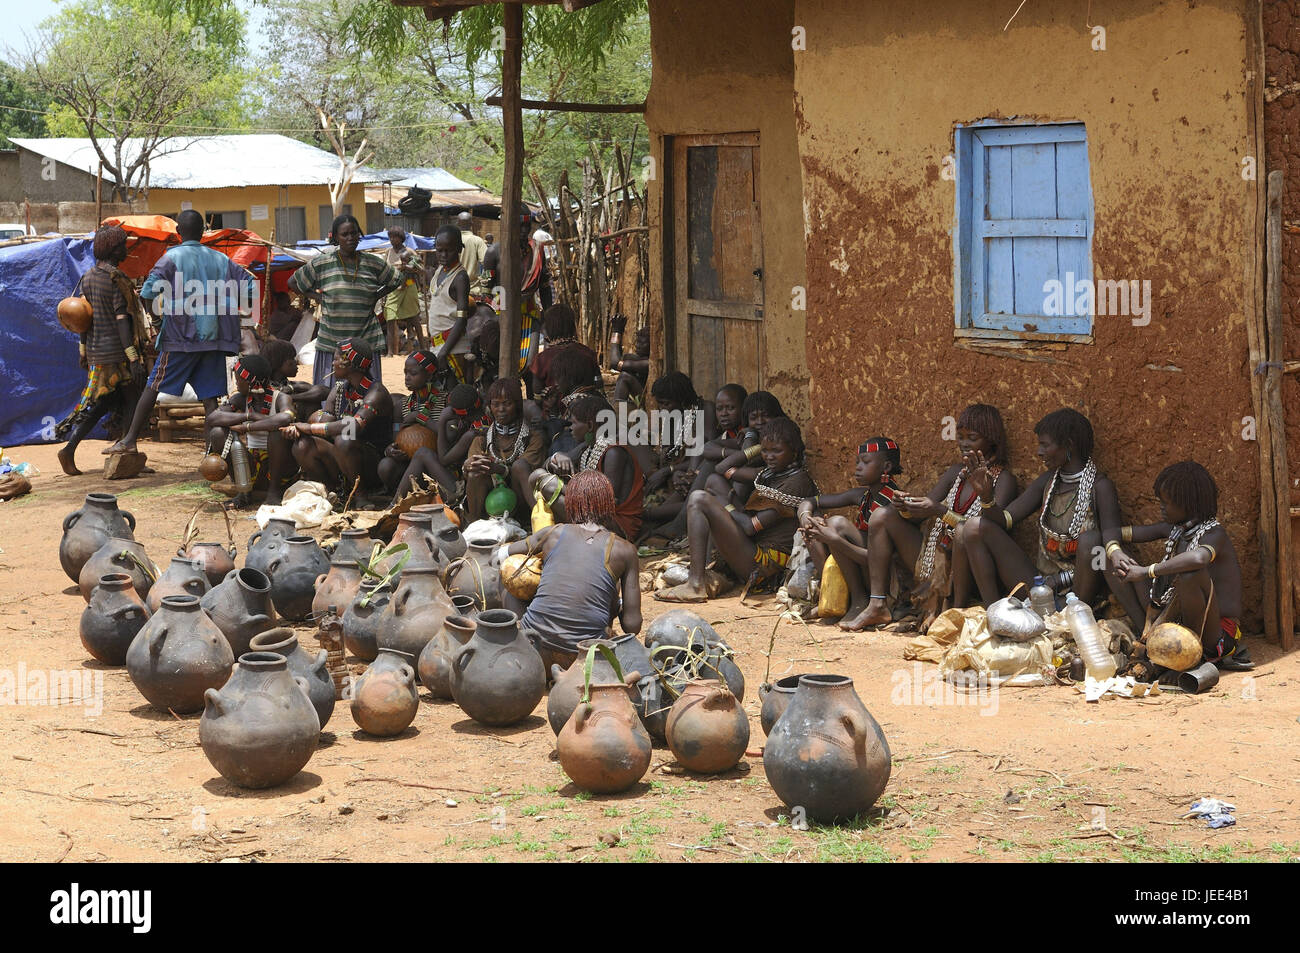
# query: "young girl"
[[1076, 505], [613, 460], [463, 419], [421, 408], [510, 450], [757, 409], [755, 540], [449, 304], [878, 461]]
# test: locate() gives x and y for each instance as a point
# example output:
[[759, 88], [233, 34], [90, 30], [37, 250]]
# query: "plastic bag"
[[802, 572], [834, 599], [306, 503], [497, 529], [1014, 619]]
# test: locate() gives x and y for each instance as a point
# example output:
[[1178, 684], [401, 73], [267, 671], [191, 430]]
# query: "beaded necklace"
[[1170, 545], [764, 489], [926, 567], [1082, 503], [515, 451], [591, 456]]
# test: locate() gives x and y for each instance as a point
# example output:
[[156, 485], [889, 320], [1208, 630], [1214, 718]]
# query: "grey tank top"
[[578, 596]]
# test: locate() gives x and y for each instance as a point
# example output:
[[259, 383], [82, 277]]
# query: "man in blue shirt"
[[200, 294]]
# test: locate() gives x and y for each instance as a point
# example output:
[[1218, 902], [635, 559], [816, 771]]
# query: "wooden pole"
[[551, 105], [99, 204], [512, 118], [1281, 503]]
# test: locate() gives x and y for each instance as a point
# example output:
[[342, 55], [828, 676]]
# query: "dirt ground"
[[1030, 774]]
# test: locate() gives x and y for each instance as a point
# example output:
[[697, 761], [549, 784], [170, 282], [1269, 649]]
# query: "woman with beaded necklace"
[[509, 450], [1074, 503]]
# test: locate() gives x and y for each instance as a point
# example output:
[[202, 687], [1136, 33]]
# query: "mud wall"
[[878, 93], [724, 67]]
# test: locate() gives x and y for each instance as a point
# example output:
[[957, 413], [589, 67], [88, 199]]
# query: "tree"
[[22, 106]]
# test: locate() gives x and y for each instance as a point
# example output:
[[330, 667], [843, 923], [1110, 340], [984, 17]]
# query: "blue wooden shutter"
[[1031, 223]]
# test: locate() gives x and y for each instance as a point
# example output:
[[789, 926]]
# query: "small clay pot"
[[445, 530], [178, 655], [293, 571], [775, 700], [707, 729], [337, 588], [112, 619], [415, 613], [363, 618], [86, 530], [215, 560], [353, 544], [498, 677], [384, 698], [477, 574], [265, 543], [180, 578], [603, 747], [240, 607], [566, 692], [437, 658], [119, 555], [310, 669]]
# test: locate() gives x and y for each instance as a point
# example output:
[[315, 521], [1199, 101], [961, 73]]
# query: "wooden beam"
[[552, 105], [511, 188], [1277, 418]]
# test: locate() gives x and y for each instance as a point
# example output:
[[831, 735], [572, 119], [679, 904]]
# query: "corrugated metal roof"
[[214, 162], [439, 180]]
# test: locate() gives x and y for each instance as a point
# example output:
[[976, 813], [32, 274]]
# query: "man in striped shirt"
[[346, 284]]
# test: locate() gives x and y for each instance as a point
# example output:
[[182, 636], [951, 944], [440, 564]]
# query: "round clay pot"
[[265, 543], [436, 659], [413, 529], [498, 677], [415, 613], [775, 699], [119, 555], [240, 607], [827, 754], [215, 560], [336, 588], [707, 729], [675, 626], [112, 619], [293, 571], [178, 655], [566, 692], [464, 605], [180, 578], [353, 544], [384, 698], [445, 530], [716, 662], [311, 669], [86, 530], [362, 620], [604, 748], [260, 729], [477, 574]]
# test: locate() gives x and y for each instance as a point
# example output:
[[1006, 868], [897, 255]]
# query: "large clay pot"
[[293, 571], [178, 655], [445, 530], [337, 588], [215, 560], [676, 625], [260, 729], [566, 692], [477, 574], [826, 754], [119, 555], [436, 659], [363, 618], [89, 528], [464, 605], [712, 659], [265, 543], [310, 669], [112, 619], [708, 731], [415, 613], [413, 529], [180, 578], [384, 698], [775, 699], [241, 607], [498, 677], [604, 748], [353, 544]]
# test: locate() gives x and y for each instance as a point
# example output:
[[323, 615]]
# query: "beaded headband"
[[426, 359], [244, 374], [353, 356], [876, 446]]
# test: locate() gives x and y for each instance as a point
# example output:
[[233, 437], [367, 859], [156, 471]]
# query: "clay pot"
[[293, 570], [464, 605], [354, 544], [414, 530], [715, 663], [303, 665], [89, 528], [119, 555], [775, 700], [337, 588], [180, 578], [213, 467], [566, 692], [674, 627], [260, 729], [604, 748], [215, 560], [415, 613], [445, 529], [826, 754], [178, 655], [477, 574], [240, 607], [498, 677], [384, 698], [363, 618], [265, 543], [436, 659], [708, 731], [112, 619]]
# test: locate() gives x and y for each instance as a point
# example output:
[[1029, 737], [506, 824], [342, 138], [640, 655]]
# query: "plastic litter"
[[1216, 813]]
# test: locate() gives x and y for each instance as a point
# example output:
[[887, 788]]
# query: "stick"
[[413, 784]]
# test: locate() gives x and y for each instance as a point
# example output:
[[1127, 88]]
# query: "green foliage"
[[25, 119]]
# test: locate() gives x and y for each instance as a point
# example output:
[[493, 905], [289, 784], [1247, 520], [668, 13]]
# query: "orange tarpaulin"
[[149, 237]]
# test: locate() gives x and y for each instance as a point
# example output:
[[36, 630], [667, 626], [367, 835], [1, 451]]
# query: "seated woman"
[[755, 540], [256, 411], [571, 376], [879, 460], [1198, 582], [420, 408], [349, 447], [634, 368], [595, 451], [1076, 505], [589, 575], [727, 406], [463, 419], [669, 478], [896, 530], [283, 359], [508, 451], [560, 325], [757, 409]]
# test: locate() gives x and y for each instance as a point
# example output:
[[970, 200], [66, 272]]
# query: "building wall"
[[722, 67], [51, 181], [877, 95], [242, 199]]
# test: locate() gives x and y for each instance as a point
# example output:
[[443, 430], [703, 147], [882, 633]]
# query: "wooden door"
[[718, 266]]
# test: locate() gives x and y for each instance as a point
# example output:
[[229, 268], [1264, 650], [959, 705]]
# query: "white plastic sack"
[[496, 529], [306, 503]]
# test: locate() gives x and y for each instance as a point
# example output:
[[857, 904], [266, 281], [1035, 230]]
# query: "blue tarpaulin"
[[38, 358], [371, 242]]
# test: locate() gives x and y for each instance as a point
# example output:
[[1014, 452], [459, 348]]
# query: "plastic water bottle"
[[1041, 598], [1089, 638]]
